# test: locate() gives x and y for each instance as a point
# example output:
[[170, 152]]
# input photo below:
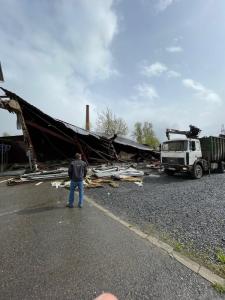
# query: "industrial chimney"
[[1, 73], [87, 118]]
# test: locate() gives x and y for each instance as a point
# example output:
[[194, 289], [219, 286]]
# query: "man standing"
[[77, 172]]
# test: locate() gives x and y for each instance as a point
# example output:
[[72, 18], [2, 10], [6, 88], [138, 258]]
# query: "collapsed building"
[[14, 147], [47, 139]]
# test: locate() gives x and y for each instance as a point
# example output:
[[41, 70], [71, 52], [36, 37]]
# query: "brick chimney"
[[87, 127], [1, 73]]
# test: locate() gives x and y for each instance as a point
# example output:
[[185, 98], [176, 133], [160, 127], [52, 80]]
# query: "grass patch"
[[178, 247], [219, 288], [220, 255]]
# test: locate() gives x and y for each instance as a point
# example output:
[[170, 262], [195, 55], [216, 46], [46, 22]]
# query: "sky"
[[160, 61]]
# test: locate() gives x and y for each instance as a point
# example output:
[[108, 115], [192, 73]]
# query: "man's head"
[[78, 156]]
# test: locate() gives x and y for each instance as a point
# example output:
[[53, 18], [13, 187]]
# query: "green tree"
[[110, 124], [138, 132], [144, 134], [5, 134]]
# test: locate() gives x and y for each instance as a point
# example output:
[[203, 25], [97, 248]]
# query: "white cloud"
[[202, 92], [154, 70], [164, 4], [173, 74], [166, 113], [146, 91], [174, 49], [55, 61], [157, 69]]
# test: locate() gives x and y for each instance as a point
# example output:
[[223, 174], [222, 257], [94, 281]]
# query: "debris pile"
[[107, 175], [97, 176], [39, 176], [117, 173]]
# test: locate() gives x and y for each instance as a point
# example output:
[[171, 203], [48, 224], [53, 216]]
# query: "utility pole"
[[223, 130]]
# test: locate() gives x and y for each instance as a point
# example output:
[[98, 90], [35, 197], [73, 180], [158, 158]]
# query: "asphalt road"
[[52, 252]]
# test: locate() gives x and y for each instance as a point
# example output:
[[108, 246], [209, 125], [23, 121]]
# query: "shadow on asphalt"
[[164, 179], [35, 210]]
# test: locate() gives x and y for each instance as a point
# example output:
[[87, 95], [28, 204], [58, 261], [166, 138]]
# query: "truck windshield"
[[175, 146]]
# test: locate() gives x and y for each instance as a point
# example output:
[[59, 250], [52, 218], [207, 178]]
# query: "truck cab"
[[181, 155], [193, 154]]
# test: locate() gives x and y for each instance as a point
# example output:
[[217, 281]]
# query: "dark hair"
[[78, 156]]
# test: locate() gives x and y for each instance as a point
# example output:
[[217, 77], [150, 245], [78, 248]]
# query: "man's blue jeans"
[[73, 185]]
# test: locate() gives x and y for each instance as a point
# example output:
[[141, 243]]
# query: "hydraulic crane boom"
[[192, 133]]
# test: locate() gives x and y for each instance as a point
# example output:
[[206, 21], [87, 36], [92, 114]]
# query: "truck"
[[192, 154]]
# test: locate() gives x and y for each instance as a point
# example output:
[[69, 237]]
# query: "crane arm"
[[192, 133]]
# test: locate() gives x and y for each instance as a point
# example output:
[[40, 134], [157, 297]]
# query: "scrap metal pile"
[[50, 140], [96, 177], [39, 176]]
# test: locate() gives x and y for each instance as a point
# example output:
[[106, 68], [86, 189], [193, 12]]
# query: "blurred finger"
[[106, 296]]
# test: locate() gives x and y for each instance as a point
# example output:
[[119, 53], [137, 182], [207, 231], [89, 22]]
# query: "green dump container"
[[213, 148]]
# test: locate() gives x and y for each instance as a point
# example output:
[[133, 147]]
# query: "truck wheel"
[[197, 171], [221, 167], [169, 172]]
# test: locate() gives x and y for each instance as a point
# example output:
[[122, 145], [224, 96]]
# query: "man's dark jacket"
[[77, 170]]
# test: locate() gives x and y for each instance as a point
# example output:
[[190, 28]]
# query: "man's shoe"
[[70, 206], [80, 206]]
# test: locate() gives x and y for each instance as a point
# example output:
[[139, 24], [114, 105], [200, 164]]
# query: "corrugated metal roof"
[[118, 139], [124, 141], [78, 130], [128, 142]]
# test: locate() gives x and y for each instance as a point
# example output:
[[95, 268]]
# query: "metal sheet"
[[78, 130], [127, 142]]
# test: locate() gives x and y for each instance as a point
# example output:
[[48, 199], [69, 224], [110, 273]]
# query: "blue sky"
[[160, 61]]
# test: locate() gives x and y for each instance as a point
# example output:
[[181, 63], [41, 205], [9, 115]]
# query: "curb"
[[187, 262]]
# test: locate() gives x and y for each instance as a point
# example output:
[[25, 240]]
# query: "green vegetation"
[[178, 247], [144, 134], [220, 255], [110, 124], [219, 288], [5, 134]]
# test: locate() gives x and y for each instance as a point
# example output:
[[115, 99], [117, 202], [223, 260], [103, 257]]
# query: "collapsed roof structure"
[[49, 139]]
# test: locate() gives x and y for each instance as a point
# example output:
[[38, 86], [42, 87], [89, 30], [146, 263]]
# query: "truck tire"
[[221, 167], [169, 172], [197, 172]]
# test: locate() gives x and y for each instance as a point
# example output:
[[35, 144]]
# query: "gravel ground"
[[190, 211]]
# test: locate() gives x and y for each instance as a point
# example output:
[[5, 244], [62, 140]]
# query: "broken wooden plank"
[[114, 184]]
